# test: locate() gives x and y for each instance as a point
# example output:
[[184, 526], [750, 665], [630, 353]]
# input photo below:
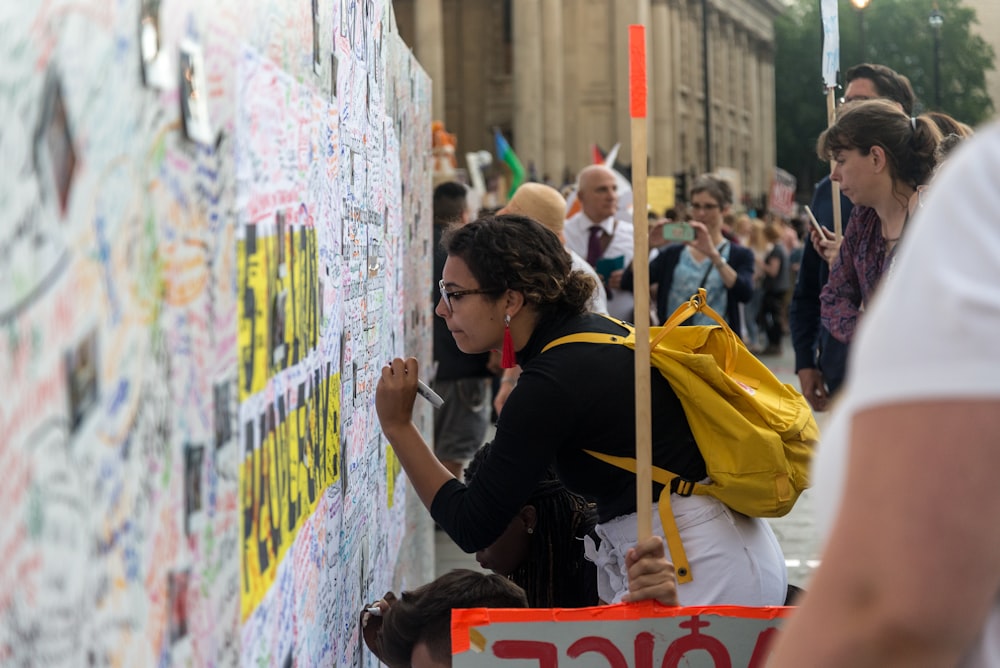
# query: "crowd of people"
[[558, 526]]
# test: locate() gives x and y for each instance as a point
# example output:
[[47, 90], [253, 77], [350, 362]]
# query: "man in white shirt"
[[597, 235], [544, 204]]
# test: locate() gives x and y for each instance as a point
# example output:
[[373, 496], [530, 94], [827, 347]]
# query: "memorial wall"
[[214, 229]]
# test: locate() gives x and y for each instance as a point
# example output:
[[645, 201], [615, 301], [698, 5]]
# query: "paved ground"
[[795, 531]]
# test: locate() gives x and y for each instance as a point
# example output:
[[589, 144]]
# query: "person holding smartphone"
[[708, 260], [881, 155], [820, 359]]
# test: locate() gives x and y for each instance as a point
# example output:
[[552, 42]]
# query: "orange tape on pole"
[[637, 70]]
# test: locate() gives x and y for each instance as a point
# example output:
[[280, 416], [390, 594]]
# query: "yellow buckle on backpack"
[[682, 487], [670, 531]]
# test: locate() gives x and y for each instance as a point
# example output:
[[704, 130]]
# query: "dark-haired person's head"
[[416, 629], [495, 256], [718, 189], [451, 203], [870, 81], [878, 129], [542, 548]]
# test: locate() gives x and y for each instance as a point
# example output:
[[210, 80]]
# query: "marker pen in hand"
[[374, 610], [429, 394]]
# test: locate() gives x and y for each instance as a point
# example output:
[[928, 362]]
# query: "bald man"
[[544, 204], [597, 235]]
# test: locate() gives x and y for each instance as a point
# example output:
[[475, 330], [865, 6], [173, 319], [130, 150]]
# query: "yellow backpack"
[[755, 433]]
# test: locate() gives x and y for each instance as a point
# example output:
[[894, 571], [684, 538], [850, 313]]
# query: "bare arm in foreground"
[[912, 567]]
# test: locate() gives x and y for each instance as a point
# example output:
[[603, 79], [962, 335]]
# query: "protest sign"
[[642, 634]]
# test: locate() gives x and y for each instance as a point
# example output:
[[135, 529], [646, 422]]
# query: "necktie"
[[594, 245]]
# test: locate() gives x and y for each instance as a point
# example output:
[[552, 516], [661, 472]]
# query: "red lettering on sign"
[[601, 646], [544, 652], [762, 649], [695, 641]]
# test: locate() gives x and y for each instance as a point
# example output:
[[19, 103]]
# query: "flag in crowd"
[[506, 154]]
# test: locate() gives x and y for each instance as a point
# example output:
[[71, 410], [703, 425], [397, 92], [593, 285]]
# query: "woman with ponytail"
[[881, 156]]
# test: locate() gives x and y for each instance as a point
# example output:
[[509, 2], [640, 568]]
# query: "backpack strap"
[[596, 337], [672, 483]]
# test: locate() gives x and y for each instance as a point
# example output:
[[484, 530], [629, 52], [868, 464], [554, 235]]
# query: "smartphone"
[[819, 228], [815, 225], [678, 232]]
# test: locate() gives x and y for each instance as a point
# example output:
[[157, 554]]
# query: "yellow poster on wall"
[[661, 193]]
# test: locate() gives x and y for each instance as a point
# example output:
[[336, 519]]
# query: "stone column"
[[553, 92], [680, 24], [527, 45], [758, 141], [661, 72], [429, 49], [767, 114], [632, 11]]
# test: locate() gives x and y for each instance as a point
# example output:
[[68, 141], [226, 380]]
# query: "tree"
[[897, 34]]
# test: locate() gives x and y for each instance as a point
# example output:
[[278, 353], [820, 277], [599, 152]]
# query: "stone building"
[[553, 76], [988, 27]]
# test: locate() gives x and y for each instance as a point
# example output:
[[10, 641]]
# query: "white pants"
[[734, 559]]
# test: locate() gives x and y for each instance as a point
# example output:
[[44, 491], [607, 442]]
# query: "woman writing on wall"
[[507, 284], [881, 156]]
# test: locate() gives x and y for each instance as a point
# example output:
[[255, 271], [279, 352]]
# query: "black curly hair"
[[512, 252], [556, 574]]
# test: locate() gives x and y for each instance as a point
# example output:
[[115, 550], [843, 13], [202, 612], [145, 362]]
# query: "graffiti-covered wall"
[[214, 230]]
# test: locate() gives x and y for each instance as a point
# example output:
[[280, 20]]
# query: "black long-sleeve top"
[[573, 397]]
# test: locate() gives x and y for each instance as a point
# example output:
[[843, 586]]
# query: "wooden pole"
[[831, 117], [640, 268]]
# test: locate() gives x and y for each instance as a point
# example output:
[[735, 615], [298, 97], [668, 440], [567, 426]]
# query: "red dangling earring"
[[508, 360]]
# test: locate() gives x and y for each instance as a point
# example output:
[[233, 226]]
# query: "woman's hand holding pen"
[[395, 394]]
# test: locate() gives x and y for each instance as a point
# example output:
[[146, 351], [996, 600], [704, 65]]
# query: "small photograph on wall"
[[317, 62], [55, 156], [224, 413], [281, 230], [194, 455], [177, 605], [81, 379], [278, 348], [194, 93], [374, 256], [334, 65], [153, 55]]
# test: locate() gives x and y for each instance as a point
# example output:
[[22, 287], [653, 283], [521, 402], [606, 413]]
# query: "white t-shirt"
[[577, 232], [932, 330], [598, 300]]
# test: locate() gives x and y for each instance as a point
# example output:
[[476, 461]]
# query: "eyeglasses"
[[697, 206], [854, 98], [457, 294]]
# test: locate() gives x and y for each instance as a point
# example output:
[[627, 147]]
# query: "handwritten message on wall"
[[214, 230]]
